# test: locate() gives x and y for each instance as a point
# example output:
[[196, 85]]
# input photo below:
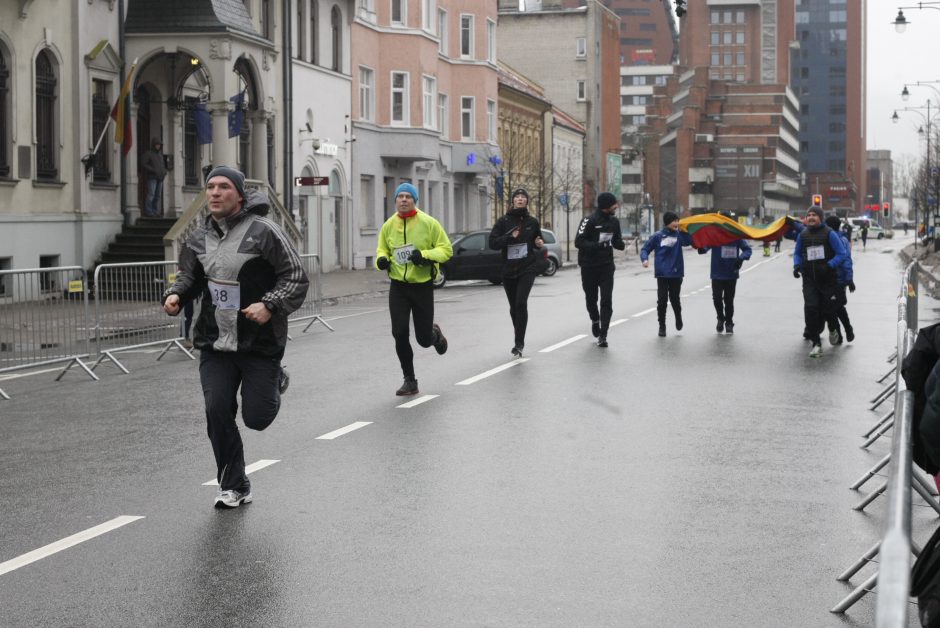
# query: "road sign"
[[563, 199], [302, 181]]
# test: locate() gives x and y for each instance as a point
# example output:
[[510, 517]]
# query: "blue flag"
[[236, 118], [203, 122]]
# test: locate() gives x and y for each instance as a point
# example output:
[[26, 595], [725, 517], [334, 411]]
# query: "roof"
[[564, 119], [514, 79], [188, 16]]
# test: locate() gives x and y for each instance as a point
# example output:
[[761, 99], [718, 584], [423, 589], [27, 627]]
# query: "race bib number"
[[814, 253], [729, 252], [604, 237], [226, 295], [403, 254], [670, 241], [517, 251]]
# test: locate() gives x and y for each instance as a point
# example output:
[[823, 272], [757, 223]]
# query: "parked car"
[[474, 259], [875, 231]]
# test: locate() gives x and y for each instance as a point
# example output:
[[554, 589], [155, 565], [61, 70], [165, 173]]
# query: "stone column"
[[173, 184], [259, 145], [223, 148]]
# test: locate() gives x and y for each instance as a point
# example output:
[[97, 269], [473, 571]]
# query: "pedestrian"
[[154, 170], [864, 234], [410, 246], [250, 279], [669, 267], [844, 279], [519, 238], [726, 263], [598, 235], [819, 252]]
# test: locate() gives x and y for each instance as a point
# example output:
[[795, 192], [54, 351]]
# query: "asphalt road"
[[694, 480]]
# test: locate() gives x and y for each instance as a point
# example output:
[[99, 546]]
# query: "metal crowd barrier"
[[312, 309], [893, 551], [44, 319], [128, 314]]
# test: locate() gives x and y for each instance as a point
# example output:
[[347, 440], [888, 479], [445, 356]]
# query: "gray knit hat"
[[233, 175]]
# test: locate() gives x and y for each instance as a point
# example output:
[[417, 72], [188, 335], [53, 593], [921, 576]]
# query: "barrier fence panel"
[[312, 309], [44, 319], [128, 311]]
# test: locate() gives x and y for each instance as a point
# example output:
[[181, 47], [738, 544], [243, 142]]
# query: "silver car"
[[554, 252]]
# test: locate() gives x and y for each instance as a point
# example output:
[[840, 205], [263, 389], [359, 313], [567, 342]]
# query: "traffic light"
[[817, 200], [886, 206], [680, 8]]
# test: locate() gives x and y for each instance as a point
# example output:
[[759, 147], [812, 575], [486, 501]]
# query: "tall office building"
[[648, 31]]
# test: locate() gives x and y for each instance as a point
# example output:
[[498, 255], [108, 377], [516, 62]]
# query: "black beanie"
[[670, 217], [519, 192], [233, 175], [606, 200], [833, 222], [818, 211]]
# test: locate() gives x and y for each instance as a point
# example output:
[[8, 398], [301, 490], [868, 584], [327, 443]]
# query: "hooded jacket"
[[520, 254], [419, 232], [727, 258], [667, 244], [242, 259], [152, 162], [598, 235]]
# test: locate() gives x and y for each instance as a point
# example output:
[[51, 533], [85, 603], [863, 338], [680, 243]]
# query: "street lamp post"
[[900, 22], [927, 120]]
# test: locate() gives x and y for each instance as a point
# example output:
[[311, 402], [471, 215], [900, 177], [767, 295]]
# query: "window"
[[727, 59], [314, 32], [639, 80], [366, 10], [739, 17], [366, 200], [267, 20], [429, 106], [739, 58], [715, 18], [442, 115], [739, 37], [491, 41], [301, 39], [442, 31], [580, 47], [6, 263], [491, 120], [716, 38], [399, 9], [336, 39], [837, 16], [804, 72], [649, 28], [582, 90], [366, 94], [726, 17], [400, 112], [466, 117], [427, 15], [726, 37], [466, 36], [715, 58], [190, 143], [46, 94], [4, 113], [100, 112], [47, 281]]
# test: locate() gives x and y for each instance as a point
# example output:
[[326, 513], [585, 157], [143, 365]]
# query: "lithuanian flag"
[[121, 115], [716, 230]]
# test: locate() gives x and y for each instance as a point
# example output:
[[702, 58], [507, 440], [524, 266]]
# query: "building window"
[[336, 38], [491, 41], [804, 72], [727, 59], [399, 12], [400, 105], [366, 94], [716, 38], [739, 38], [466, 36], [804, 109], [716, 58], [190, 143], [427, 15], [429, 104], [726, 37], [366, 200], [100, 112], [739, 58], [727, 17], [580, 47], [466, 117], [46, 94], [4, 113], [715, 18], [314, 32], [442, 31], [442, 115], [491, 120], [300, 40], [582, 90], [366, 10], [267, 20], [739, 16], [649, 28], [837, 16]]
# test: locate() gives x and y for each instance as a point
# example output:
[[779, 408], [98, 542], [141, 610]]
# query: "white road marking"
[[751, 267], [254, 466], [418, 401], [67, 542], [618, 321], [652, 309], [342, 316], [344, 430], [498, 369], [559, 345]]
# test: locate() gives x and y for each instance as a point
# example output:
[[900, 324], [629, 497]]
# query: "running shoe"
[[408, 387], [662, 331], [283, 380], [816, 351], [835, 338], [440, 342], [595, 328], [602, 341], [720, 327], [232, 498], [517, 351], [729, 328], [849, 333], [678, 322]]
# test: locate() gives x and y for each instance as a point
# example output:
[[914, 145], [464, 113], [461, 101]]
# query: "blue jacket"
[[844, 273], [727, 258], [795, 229], [667, 245], [835, 243]]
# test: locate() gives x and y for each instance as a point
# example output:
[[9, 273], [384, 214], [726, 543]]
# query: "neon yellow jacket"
[[422, 232]]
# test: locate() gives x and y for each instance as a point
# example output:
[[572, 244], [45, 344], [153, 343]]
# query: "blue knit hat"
[[233, 175], [407, 187]]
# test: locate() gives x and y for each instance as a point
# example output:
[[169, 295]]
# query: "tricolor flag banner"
[[121, 115], [715, 230]]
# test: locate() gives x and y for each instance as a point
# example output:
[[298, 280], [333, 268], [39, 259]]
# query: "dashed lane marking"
[[498, 369], [418, 401], [254, 466], [67, 542], [563, 343], [652, 309], [619, 321], [344, 430]]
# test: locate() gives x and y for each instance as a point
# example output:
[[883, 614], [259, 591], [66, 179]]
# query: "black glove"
[[419, 260], [851, 286], [606, 245], [702, 251], [796, 272], [383, 263], [738, 264]]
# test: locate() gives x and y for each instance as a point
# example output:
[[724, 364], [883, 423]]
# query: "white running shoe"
[[232, 499], [816, 351]]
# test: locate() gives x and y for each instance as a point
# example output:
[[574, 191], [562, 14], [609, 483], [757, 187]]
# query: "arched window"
[[5, 112], [46, 89], [336, 25], [314, 31], [301, 33]]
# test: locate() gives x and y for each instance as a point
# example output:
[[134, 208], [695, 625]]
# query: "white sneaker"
[[232, 499], [835, 337], [816, 351]]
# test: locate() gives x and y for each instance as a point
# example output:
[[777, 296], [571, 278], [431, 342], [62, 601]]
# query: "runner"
[[844, 279], [519, 237], [410, 245], [250, 278], [726, 262], [597, 236], [669, 267]]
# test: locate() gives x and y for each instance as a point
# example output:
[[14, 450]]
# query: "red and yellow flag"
[[121, 117], [714, 230]]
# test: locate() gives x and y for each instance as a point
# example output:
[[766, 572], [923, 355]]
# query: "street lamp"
[[927, 120], [900, 22]]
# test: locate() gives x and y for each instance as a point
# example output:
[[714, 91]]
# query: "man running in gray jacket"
[[250, 278]]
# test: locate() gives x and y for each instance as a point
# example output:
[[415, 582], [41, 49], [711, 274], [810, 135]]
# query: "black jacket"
[[501, 239], [919, 370], [595, 250]]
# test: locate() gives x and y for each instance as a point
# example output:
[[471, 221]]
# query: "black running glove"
[[796, 272], [383, 263], [419, 260], [851, 286]]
